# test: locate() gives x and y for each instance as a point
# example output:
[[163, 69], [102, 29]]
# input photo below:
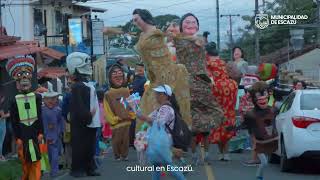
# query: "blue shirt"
[[52, 123], [138, 84]]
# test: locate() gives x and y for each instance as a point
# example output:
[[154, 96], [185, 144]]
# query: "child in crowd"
[[260, 123], [53, 128], [140, 143]]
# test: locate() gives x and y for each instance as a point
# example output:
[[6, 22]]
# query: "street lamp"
[[297, 40]]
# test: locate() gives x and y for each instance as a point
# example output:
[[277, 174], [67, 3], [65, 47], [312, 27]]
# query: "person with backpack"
[[166, 117]]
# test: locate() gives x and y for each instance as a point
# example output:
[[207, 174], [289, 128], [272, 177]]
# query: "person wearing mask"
[[25, 113], [53, 129], [225, 90], [117, 115], [84, 116], [164, 115], [159, 65], [260, 122], [205, 111]]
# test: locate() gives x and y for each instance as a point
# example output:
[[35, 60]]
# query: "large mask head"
[[259, 94], [249, 79], [189, 24], [116, 76], [80, 62], [174, 27], [20, 69], [141, 18]]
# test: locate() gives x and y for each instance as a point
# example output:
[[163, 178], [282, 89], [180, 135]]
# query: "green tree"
[[161, 23], [275, 37]]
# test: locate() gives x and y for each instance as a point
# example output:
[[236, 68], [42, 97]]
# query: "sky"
[[119, 12]]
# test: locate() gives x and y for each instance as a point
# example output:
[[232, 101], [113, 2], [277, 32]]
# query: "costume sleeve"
[[39, 122], [111, 118], [244, 68], [14, 118], [65, 106], [247, 122], [60, 121]]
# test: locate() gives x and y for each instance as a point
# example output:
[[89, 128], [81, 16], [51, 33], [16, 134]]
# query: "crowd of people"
[[189, 85]]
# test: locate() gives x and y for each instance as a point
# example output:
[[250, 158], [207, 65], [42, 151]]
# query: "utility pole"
[[257, 35], [218, 25], [0, 14], [318, 21], [230, 26]]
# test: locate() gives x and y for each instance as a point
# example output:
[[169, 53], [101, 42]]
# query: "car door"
[[284, 113], [282, 117]]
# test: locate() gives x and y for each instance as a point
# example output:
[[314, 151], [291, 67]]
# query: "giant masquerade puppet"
[[205, 111], [84, 115], [225, 91], [26, 117], [160, 68], [117, 115], [260, 122]]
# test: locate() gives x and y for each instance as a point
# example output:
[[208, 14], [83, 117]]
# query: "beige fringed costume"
[[162, 70]]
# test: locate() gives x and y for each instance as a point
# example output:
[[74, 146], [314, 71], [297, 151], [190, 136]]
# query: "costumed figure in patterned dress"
[[159, 66], [26, 117], [225, 90], [205, 111]]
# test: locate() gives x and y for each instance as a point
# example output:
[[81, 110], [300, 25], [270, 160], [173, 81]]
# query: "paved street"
[[112, 170]]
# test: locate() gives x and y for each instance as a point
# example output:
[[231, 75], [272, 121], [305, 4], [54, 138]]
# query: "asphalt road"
[[217, 170]]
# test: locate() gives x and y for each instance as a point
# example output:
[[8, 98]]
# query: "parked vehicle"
[[298, 125]]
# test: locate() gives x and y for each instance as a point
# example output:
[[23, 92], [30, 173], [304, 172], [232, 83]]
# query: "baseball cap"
[[164, 89]]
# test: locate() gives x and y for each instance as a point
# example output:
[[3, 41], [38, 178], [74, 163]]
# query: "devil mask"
[[259, 94], [116, 76]]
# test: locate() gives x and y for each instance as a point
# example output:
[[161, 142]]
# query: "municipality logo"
[[261, 21]]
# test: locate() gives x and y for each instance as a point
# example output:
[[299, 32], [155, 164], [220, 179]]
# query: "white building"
[[27, 18], [308, 64]]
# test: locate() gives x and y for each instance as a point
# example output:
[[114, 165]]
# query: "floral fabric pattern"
[[225, 90]]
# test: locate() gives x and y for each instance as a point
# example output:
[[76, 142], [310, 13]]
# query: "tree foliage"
[[161, 23], [275, 37]]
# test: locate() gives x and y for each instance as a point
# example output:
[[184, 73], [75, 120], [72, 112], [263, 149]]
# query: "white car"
[[298, 125]]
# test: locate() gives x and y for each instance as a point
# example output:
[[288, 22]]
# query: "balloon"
[[267, 71]]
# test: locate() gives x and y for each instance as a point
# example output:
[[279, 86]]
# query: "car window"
[[310, 102], [287, 103]]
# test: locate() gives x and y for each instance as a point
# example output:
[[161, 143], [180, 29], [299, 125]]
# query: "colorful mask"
[[20, 69], [249, 79]]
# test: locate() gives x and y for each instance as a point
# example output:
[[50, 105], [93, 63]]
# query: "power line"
[[124, 15]]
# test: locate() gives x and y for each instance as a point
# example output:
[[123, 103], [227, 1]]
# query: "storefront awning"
[[51, 72], [17, 49], [54, 54]]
